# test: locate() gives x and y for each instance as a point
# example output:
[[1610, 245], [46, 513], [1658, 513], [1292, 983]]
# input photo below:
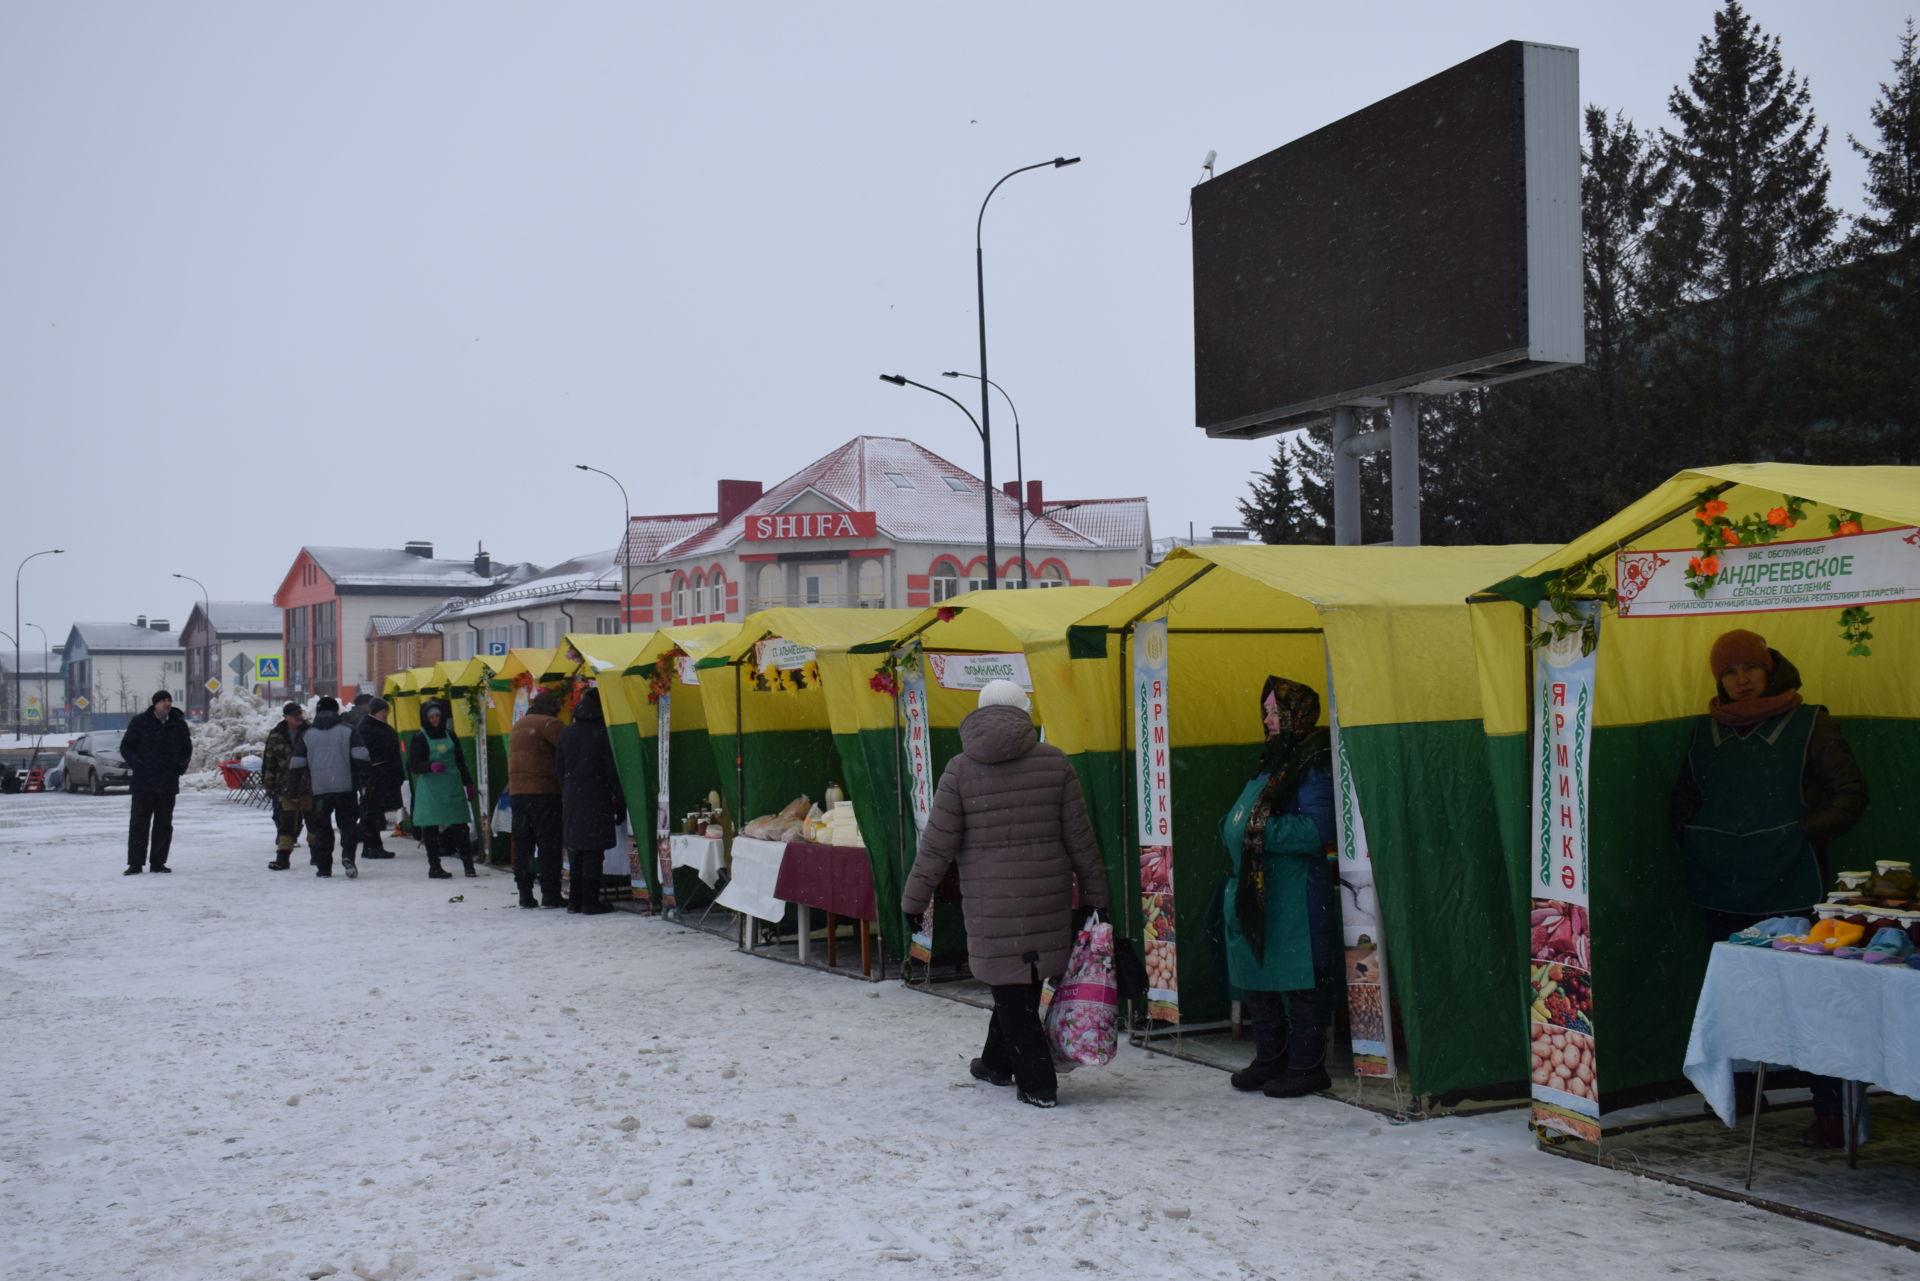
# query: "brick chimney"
[[735, 497], [1035, 504], [482, 563], [1011, 489]]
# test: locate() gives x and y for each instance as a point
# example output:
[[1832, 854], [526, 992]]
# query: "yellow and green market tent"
[[1388, 629], [1651, 684], [768, 719], [604, 659], [691, 772], [963, 639]]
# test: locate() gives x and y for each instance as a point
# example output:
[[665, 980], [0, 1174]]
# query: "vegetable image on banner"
[[1369, 1009], [662, 810], [917, 724], [1565, 1077], [1153, 801]]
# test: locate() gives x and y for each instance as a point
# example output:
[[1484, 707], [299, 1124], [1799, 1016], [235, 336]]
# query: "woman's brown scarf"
[[1285, 761]]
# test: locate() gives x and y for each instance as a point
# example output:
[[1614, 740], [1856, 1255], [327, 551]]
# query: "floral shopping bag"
[[1083, 1008]]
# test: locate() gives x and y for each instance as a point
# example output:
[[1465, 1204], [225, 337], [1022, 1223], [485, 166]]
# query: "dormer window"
[[899, 481], [957, 485]]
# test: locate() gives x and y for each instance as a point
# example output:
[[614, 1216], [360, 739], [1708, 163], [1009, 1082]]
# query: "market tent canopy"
[[1391, 623], [527, 662], [1663, 517], [1651, 687]]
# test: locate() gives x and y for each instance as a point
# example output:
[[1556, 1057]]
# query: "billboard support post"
[[1405, 429], [1346, 480]]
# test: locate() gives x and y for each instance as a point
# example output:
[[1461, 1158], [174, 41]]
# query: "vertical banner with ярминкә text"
[[1153, 802], [1565, 1078]]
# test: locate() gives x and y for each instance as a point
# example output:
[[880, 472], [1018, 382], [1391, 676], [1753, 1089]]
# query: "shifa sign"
[[813, 525]]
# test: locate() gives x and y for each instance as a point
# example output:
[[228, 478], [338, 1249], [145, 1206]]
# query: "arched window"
[[872, 588], [771, 587], [696, 595], [680, 611], [1050, 575], [716, 592], [945, 579]]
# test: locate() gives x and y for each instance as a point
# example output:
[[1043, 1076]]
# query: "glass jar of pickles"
[[1893, 885]]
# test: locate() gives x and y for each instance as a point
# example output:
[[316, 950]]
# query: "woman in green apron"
[[442, 787], [1767, 783], [1279, 899]]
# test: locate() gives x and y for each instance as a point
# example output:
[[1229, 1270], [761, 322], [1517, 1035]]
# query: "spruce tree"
[[1861, 370], [1748, 212], [1276, 513]]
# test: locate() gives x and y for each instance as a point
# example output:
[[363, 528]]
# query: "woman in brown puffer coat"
[[1009, 812]]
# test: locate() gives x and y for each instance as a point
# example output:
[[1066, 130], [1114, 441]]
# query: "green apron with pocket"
[[1745, 851], [440, 800]]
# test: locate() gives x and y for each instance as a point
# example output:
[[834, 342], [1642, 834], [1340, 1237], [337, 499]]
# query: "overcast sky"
[[358, 273]]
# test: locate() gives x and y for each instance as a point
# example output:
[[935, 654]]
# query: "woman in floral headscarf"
[[1279, 898]]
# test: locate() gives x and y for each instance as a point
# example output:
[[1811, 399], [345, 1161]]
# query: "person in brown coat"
[[535, 789], [1009, 812]]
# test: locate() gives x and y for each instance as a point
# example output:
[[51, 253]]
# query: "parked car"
[[93, 763]]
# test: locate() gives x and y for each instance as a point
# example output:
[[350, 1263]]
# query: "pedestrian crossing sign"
[[267, 668]]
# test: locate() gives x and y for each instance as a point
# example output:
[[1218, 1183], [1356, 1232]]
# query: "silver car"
[[93, 762]]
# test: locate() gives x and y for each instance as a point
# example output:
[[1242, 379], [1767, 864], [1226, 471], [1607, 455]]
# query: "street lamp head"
[[582, 467], [950, 373], [1061, 162], [898, 380]]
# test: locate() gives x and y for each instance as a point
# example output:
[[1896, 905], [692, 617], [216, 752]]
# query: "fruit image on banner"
[[1153, 798], [1566, 1095], [1369, 1008]]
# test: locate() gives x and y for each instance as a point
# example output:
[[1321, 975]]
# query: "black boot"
[[526, 897], [586, 889], [466, 861], [1298, 1082], [435, 871], [1255, 1075], [280, 863]]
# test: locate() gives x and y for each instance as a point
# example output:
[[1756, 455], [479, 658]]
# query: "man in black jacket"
[[383, 772], [157, 746]]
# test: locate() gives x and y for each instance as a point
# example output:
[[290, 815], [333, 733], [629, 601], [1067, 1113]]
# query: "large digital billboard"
[[1429, 242]]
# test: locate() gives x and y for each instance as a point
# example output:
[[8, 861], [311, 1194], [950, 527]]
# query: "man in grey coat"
[[1009, 812], [325, 751]]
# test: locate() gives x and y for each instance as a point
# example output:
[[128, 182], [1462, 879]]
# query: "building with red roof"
[[878, 523]]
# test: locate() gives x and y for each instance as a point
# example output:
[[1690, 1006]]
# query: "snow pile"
[[236, 726]]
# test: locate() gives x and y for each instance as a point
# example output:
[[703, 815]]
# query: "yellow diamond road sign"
[[213, 684], [81, 702]]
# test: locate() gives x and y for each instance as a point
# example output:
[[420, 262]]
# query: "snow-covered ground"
[[236, 1073]]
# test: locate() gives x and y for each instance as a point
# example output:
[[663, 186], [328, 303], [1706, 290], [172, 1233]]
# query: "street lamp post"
[[1019, 472], [986, 413], [51, 551], [206, 619], [620, 549], [993, 577]]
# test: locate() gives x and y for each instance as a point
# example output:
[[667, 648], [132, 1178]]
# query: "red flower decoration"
[[1715, 508], [1779, 519], [1849, 527], [1730, 536], [946, 614], [1707, 565], [883, 683]]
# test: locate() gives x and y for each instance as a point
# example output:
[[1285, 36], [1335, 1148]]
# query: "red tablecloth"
[[835, 878]]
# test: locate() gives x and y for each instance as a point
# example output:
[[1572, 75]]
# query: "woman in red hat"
[[1767, 784]]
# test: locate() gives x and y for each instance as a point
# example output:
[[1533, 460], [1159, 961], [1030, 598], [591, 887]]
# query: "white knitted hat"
[[1005, 694]]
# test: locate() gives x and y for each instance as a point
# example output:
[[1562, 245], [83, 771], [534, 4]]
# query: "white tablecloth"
[[701, 853], [756, 874], [1844, 1019]]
